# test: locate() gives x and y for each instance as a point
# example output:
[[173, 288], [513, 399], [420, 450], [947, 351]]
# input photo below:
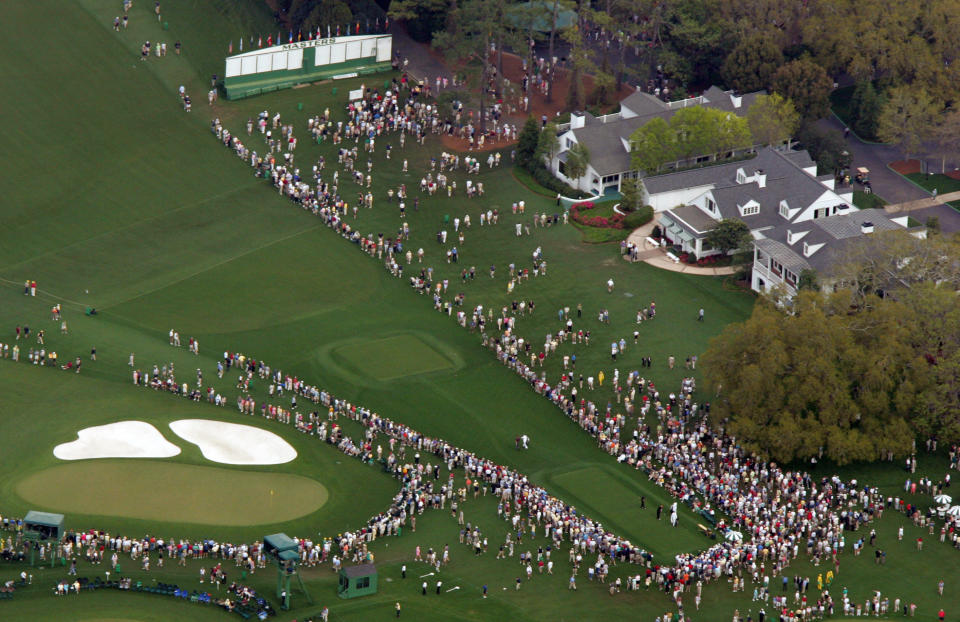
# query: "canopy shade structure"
[[540, 13]]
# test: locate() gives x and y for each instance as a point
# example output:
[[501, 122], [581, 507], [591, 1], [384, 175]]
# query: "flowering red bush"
[[578, 212]]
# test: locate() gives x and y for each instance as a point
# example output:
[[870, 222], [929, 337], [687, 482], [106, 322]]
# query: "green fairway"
[[392, 357], [171, 492]]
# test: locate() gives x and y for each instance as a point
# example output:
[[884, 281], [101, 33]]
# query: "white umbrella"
[[954, 511], [943, 499], [736, 535]]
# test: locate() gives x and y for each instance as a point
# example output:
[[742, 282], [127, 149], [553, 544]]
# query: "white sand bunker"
[[231, 443], [124, 439]]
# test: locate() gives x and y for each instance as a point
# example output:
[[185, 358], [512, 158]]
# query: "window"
[[784, 209], [363, 582], [611, 179], [806, 249], [790, 277], [750, 210], [741, 178], [569, 143], [823, 212], [562, 168], [711, 205], [775, 267]]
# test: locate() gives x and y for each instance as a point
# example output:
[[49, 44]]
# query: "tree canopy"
[[691, 132], [772, 119], [807, 85], [907, 118], [728, 235], [752, 63], [849, 381]]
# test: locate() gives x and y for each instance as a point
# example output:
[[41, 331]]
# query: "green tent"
[[541, 12]]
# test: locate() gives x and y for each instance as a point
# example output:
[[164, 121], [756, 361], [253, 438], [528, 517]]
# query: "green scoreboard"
[[284, 66]]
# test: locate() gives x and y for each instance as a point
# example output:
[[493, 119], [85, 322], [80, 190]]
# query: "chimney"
[[761, 178], [866, 227], [736, 99], [577, 119]]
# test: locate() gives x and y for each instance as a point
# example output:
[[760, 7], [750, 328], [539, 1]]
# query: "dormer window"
[[784, 209], [806, 249], [750, 209], [741, 176]]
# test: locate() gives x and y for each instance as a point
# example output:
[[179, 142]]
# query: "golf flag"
[[269, 40], [260, 41], [230, 49], [290, 40], [241, 44], [328, 31], [299, 35]]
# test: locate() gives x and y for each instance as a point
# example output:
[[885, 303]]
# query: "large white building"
[[607, 138]]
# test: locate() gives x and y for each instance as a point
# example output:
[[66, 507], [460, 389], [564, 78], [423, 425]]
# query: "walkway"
[[423, 65], [919, 204], [654, 256]]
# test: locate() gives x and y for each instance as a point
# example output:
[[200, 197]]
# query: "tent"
[[541, 12]]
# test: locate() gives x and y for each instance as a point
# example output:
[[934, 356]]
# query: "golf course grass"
[[391, 358], [130, 205], [172, 492]]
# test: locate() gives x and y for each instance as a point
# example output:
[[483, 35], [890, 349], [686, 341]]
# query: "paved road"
[[893, 187], [422, 65]]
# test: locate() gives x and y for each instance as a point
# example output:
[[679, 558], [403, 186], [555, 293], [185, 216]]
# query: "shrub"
[[545, 178], [638, 217]]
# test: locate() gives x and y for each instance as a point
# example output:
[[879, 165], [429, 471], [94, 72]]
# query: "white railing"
[[684, 103]]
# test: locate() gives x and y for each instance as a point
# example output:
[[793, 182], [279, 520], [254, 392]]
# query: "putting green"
[[392, 357], [172, 492]]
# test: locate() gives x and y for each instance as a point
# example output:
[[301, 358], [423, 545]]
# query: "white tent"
[[734, 536]]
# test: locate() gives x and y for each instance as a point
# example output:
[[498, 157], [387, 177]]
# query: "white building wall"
[[669, 200]]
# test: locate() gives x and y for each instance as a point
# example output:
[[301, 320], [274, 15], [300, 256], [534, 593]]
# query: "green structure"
[[282, 550], [357, 581], [285, 66], [43, 527]]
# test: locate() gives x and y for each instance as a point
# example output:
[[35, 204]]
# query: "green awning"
[[686, 236]]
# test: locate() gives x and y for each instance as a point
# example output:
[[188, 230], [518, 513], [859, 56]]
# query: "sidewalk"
[[657, 258]]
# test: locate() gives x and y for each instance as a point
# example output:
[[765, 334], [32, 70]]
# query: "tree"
[[475, 24], [814, 380], [946, 137], [772, 119], [422, 17], [808, 280], [827, 148], [578, 158], [907, 118], [696, 42], [875, 265], [729, 235], [691, 132], [807, 85], [865, 106], [559, 6], [752, 63], [632, 192], [580, 65], [528, 141], [322, 15], [548, 143], [651, 145]]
